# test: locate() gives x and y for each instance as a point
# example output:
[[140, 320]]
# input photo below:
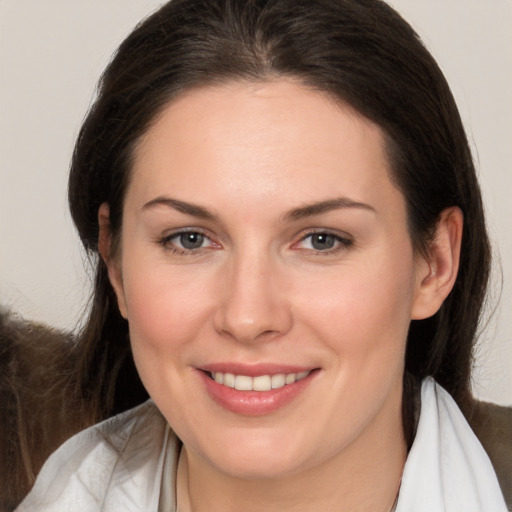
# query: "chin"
[[260, 467], [259, 456]]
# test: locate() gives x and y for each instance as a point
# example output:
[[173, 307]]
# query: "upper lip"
[[254, 370]]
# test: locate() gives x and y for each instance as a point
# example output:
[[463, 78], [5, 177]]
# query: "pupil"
[[322, 241], [191, 240]]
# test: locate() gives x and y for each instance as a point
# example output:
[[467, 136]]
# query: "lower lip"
[[254, 403]]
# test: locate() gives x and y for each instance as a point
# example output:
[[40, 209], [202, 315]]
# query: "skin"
[[257, 290]]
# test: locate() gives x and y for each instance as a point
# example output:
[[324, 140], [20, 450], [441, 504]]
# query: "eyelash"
[[341, 243], [166, 242]]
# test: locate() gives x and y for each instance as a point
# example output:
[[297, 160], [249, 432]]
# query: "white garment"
[[120, 464], [447, 469]]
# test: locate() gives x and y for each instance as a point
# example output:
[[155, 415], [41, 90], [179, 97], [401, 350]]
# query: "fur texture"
[[38, 407], [492, 425]]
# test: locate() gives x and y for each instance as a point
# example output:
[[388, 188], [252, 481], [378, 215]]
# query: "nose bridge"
[[253, 305]]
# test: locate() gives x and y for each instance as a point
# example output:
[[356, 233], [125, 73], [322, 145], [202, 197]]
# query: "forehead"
[[261, 141]]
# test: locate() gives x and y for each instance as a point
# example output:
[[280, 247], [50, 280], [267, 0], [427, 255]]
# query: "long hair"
[[360, 52]]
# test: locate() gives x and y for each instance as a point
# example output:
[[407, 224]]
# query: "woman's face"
[[265, 247]]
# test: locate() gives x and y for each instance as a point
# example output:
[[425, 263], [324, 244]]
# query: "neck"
[[365, 476]]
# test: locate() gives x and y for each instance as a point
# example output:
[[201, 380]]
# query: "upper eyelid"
[[166, 238], [193, 229], [319, 231]]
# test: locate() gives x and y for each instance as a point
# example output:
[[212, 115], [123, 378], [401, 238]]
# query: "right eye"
[[184, 242], [189, 240]]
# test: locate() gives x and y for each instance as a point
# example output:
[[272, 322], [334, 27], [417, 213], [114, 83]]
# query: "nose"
[[253, 305]]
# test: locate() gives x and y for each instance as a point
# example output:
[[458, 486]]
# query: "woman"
[[293, 248]]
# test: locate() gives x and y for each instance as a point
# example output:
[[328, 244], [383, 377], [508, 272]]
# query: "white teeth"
[[259, 383], [243, 383], [262, 383], [278, 381], [290, 378], [229, 380]]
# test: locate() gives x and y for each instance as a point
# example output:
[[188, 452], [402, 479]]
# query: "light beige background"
[[51, 54]]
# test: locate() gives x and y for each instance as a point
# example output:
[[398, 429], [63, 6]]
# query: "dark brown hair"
[[360, 52]]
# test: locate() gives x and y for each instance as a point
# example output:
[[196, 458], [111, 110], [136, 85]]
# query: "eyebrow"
[[321, 207], [302, 212], [181, 206]]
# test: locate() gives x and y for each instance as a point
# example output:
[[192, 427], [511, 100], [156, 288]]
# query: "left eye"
[[324, 242]]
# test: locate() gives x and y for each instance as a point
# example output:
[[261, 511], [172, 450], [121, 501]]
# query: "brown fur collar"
[[492, 424], [37, 408]]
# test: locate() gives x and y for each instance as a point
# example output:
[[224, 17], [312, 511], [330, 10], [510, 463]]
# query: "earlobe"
[[112, 263], [437, 272]]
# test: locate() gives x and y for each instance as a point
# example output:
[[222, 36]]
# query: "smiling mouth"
[[258, 383]]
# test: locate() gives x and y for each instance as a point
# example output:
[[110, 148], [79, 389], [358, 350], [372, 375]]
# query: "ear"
[[111, 260], [437, 271]]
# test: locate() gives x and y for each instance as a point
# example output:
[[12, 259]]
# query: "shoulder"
[[492, 424], [109, 461]]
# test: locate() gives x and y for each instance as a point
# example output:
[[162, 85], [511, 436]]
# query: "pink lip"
[[254, 403]]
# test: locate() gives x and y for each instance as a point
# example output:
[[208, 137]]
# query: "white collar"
[[447, 469]]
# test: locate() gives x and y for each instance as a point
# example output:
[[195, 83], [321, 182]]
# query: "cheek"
[[164, 308], [167, 308], [363, 308], [167, 311]]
